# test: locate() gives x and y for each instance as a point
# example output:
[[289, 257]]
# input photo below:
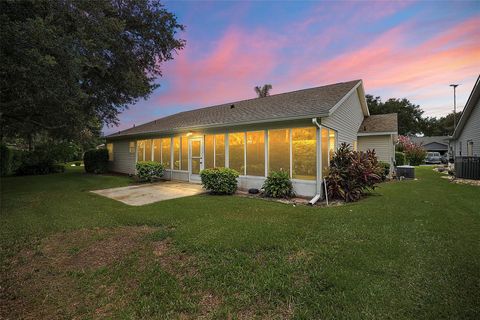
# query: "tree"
[[410, 119], [263, 91], [68, 65], [442, 126]]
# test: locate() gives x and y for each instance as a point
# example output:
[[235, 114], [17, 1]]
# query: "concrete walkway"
[[139, 195]]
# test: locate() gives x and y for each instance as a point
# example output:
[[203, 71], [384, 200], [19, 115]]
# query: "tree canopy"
[[69, 66], [442, 126], [409, 115]]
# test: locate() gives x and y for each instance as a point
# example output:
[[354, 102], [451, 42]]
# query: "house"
[[433, 144], [295, 131], [466, 137], [379, 132]]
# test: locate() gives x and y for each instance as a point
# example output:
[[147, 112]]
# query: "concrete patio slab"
[[139, 195]]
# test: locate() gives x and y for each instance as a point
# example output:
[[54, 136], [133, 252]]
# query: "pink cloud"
[[389, 64], [233, 66], [387, 61]]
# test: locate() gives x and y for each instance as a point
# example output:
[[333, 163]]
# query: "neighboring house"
[[466, 137], [433, 144], [379, 132], [296, 131]]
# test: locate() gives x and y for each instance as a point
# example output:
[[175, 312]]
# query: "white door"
[[196, 159]]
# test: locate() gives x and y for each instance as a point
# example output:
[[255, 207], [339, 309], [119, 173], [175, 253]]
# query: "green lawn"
[[409, 250]]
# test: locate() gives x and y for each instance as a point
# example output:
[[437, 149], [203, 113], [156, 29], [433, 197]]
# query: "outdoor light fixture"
[[189, 134]]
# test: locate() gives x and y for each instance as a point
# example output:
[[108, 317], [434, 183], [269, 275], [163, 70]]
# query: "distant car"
[[433, 158]]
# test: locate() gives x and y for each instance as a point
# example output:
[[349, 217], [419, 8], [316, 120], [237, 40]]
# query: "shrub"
[[415, 155], [96, 161], [5, 160], [399, 158], [219, 180], [385, 169], [38, 161], [278, 185], [149, 170], [352, 173]]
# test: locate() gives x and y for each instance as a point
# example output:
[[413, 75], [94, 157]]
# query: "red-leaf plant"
[[352, 173]]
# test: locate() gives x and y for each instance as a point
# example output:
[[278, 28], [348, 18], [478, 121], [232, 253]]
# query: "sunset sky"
[[399, 49]]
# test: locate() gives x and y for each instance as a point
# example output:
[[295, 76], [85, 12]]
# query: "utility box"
[[408, 172]]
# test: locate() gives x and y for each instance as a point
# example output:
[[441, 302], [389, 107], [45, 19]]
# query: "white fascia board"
[[364, 134]]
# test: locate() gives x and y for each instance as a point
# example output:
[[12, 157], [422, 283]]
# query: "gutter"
[[318, 194]]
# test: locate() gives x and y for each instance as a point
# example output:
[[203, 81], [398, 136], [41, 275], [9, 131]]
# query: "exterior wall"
[[382, 144], [123, 160], [346, 119], [470, 132]]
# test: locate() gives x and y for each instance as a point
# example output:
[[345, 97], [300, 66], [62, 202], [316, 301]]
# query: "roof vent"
[[232, 106]]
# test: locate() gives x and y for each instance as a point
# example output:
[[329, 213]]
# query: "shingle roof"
[[313, 102], [379, 123], [427, 140]]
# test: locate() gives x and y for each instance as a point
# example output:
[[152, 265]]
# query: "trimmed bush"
[[399, 158], [96, 161], [149, 171], [278, 185], [219, 180], [352, 173], [386, 169]]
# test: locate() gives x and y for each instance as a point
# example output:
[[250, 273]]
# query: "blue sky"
[[399, 49]]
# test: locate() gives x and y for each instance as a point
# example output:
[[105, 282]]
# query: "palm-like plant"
[[263, 91]]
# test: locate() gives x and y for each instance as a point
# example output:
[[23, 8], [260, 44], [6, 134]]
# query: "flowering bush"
[[414, 153], [352, 173]]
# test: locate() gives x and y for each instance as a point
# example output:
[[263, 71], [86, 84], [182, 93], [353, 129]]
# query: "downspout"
[[318, 194]]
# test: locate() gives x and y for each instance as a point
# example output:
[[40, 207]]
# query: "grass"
[[409, 250]]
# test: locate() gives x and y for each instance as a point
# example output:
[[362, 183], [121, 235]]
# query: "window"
[[157, 150], [209, 152], [256, 153], [236, 147], [141, 150], [219, 150], [304, 153], [110, 151], [148, 150], [166, 155], [355, 145], [279, 150], [184, 156], [470, 148], [176, 153], [332, 145], [131, 147], [325, 160]]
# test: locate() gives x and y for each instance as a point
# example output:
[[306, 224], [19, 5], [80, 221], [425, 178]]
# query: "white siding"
[[383, 146], [123, 160], [346, 119], [471, 131]]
